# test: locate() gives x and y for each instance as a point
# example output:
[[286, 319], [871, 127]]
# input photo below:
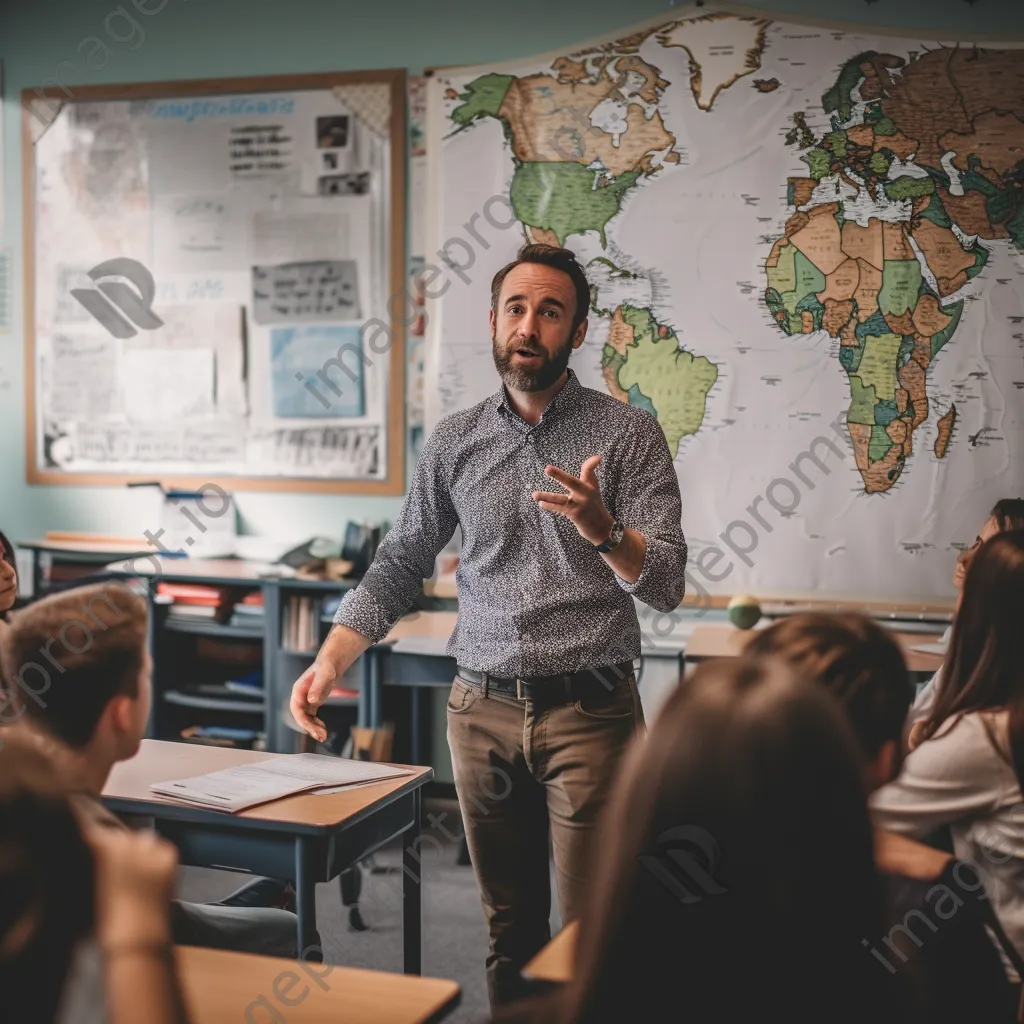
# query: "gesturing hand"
[[582, 506], [310, 690]]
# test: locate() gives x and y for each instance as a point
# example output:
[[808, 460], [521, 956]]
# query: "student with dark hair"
[[8, 576], [1007, 514], [734, 879], [956, 969], [84, 911], [77, 669], [967, 770]]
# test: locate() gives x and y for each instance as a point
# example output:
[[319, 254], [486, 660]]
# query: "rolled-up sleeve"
[[408, 552], [647, 500]]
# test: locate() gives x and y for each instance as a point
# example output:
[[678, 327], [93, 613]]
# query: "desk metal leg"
[[415, 720], [412, 907], [366, 685], [305, 902], [370, 705], [376, 700]]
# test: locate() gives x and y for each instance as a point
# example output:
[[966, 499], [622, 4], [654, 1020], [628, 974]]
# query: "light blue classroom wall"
[[223, 38]]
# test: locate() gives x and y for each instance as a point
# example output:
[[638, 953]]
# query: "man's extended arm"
[[404, 560]]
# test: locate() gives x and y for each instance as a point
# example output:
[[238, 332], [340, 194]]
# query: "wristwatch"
[[618, 532]]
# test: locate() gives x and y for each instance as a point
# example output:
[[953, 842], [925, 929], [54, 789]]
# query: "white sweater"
[[959, 779]]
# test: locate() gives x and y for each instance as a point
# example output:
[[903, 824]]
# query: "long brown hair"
[[984, 669], [750, 781], [46, 880]]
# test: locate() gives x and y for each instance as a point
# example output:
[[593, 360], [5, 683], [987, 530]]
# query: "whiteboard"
[[211, 269]]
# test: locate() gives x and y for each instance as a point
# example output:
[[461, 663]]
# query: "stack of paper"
[[941, 648], [246, 785]]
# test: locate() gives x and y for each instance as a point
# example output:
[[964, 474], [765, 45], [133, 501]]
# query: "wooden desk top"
[[230, 569], [113, 546], [128, 790], [432, 625], [220, 987], [556, 961], [718, 640]]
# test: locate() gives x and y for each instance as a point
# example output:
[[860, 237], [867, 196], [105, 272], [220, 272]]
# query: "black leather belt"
[[567, 687]]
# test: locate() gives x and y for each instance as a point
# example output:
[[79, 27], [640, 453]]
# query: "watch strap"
[[613, 540]]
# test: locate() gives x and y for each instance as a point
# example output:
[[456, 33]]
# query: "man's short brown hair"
[[548, 256], [65, 657]]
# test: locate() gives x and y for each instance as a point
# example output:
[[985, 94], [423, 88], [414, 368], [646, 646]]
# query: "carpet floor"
[[454, 932]]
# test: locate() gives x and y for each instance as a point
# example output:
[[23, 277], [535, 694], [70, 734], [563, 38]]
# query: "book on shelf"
[[192, 611], [192, 593], [225, 736], [252, 684], [301, 625]]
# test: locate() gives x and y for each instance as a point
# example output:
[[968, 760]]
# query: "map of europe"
[[805, 246]]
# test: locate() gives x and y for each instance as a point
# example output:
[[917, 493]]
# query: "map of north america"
[[584, 136]]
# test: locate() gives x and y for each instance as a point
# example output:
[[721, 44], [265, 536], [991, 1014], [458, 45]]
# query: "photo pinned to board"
[[332, 357], [357, 184], [332, 131]]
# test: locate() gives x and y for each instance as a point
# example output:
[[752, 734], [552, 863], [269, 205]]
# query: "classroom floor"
[[454, 935]]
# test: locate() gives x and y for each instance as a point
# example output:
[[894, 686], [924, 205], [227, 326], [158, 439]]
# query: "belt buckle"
[[519, 689]]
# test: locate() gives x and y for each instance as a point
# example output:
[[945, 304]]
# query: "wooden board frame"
[[394, 483]]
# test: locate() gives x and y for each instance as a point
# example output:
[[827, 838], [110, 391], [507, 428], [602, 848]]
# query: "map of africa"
[[784, 227]]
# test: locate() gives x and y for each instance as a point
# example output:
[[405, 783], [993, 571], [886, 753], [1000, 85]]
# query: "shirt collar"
[[569, 394]]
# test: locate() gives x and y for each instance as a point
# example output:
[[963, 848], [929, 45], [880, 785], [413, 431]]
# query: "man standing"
[[545, 701]]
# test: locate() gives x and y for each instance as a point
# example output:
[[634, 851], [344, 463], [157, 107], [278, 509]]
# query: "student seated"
[[84, 911], [966, 772], [1007, 514], [8, 576], [77, 668], [937, 911], [735, 878]]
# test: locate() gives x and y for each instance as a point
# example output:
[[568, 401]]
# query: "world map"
[[735, 184]]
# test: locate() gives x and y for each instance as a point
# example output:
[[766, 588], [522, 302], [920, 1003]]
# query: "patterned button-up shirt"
[[535, 598]]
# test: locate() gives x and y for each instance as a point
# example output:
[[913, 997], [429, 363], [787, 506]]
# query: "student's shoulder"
[[975, 741]]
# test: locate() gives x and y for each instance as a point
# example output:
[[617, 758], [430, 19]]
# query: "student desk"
[[88, 551], [220, 987], [306, 839], [557, 960], [724, 641]]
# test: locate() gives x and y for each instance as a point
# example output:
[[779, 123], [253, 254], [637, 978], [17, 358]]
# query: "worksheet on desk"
[[235, 789]]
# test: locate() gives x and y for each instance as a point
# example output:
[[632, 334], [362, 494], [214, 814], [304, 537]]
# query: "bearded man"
[[545, 702]]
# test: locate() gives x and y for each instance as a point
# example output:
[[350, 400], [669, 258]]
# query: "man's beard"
[[521, 379]]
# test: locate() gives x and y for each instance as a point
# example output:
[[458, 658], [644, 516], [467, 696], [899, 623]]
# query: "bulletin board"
[[213, 276]]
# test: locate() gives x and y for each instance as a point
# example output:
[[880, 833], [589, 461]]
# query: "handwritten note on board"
[[318, 290]]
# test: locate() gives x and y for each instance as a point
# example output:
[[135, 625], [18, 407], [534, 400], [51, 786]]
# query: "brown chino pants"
[[526, 771]]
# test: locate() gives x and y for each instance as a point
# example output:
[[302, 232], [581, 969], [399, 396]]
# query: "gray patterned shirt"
[[535, 598]]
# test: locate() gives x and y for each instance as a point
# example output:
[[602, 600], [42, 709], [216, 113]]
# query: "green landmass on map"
[[864, 282], [483, 98], [644, 362], [565, 199]]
